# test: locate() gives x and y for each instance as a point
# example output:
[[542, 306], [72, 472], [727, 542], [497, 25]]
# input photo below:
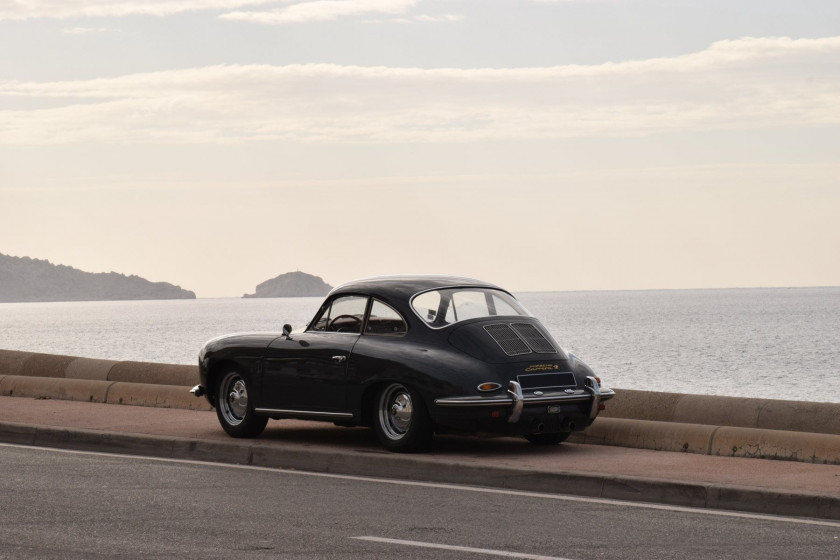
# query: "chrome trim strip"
[[473, 401], [515, 392], [304, 412], [549, 387], [572, 384], [527, 400], [506, 401]]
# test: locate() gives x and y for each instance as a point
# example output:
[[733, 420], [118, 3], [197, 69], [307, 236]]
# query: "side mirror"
[[287, 330]]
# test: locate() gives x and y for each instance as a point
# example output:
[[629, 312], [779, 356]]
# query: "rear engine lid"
[[506, 339]]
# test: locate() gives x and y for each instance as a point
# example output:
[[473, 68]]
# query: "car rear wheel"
[[548, 439], [401, 420], [234, 409]]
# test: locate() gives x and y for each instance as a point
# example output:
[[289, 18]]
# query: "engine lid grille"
[[510, 342], [533, 338], [517, 339]]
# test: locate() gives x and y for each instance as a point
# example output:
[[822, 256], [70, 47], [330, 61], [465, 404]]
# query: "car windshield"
[[450, 305]]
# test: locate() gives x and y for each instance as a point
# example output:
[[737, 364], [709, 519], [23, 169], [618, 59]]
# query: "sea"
[[778, 343]]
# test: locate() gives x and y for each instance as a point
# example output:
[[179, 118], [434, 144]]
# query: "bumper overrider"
[[198, 391], [592, 393]]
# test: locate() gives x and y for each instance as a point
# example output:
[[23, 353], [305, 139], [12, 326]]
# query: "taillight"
[[489, 386]]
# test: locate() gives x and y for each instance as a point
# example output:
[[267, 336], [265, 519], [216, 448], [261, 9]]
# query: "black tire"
[[548, 439], [400, 419], [234, 409]]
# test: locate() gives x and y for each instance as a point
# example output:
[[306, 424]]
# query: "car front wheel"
[[234, 409], [401, 420]]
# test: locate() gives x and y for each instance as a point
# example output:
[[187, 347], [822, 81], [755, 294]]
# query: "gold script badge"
[[542, 367]]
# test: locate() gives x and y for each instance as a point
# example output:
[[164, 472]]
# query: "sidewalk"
[[780, 487]]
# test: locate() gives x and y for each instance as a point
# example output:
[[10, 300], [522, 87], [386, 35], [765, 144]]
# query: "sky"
[[537, 144]]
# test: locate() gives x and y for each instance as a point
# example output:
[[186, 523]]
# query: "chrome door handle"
[[339, 359]]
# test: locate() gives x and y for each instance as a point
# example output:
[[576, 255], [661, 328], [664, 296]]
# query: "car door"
[[307, 372]]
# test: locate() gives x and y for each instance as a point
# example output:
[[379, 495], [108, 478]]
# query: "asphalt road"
[[70, 505]]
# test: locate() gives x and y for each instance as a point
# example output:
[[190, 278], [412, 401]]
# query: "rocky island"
[[292, 284], [23, 279]]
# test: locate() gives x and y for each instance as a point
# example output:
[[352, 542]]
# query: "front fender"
[[241, 351]]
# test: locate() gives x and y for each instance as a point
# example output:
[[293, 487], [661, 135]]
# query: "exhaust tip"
[[537, 427]]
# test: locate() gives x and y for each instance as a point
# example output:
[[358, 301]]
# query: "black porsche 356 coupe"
[[407, 355]]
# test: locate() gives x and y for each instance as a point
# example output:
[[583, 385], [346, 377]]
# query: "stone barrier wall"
[[711, 425], [742, 412], [30, 364], [51, 376]]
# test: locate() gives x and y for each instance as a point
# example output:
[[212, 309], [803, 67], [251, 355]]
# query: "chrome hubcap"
[[238, 398], [401, 412], [395, 411], [233, 398]]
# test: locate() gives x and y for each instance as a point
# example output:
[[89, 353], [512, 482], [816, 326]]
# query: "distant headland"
[[23, 279], [292, 284]]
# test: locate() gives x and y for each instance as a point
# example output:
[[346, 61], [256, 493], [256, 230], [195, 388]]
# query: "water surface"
[[772, 343]]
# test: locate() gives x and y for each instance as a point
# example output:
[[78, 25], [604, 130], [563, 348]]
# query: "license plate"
[[554, 409]]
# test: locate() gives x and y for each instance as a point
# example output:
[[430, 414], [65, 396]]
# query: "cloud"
[[84, 30], [286, 11], [61, 9], [750, 83], [420, 18], [443, 17], [322, 10]]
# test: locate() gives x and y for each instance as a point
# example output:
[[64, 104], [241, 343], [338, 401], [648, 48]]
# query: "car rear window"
[[439, 308]]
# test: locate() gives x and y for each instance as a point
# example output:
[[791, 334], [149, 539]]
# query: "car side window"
[[384, 320], [345, 314], [427, 305]]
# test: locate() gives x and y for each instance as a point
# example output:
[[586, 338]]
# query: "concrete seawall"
[[718, 425], [709, 425], [31, 364], [766, 414], [51, 376]]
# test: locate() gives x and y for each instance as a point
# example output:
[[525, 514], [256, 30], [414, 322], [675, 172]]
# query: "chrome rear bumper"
[[592, 392]]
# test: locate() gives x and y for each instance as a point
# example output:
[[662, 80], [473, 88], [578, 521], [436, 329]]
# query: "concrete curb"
[[156, 374], [419, 468], [110, 392], [51, 388], [741, 412], [162, 396], [725, 441]]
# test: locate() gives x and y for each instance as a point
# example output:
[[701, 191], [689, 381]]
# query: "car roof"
[[402, 287]]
